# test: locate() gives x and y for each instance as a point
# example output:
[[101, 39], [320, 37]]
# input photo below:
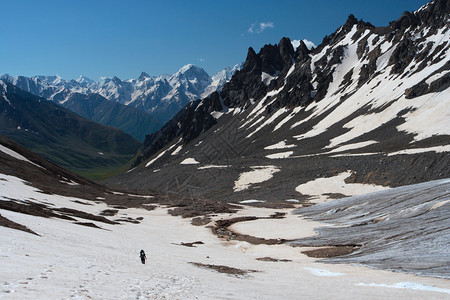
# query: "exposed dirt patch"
[[188, 208], [109, 212], [200, 221], [120, 207], [31, 208], [335, 195], [272, 204], [129, 220], [11, 224], [190, 244], [222, 231], [270, 259], [228, 222], [225, 269], [332, 251], [88, 224], [84, 215], [81, 202], [42, 210]]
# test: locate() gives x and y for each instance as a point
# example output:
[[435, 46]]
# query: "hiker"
[[143, 257]]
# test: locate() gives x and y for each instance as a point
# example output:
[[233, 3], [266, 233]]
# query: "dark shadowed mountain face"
[[101, 110], [61, 136], [368, 102]]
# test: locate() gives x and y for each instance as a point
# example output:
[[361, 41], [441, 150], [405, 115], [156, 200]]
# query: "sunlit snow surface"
[[320, 188], [15, 155], [409, 285], [189, 161], [257, 175], [322, 273], [72, 261]]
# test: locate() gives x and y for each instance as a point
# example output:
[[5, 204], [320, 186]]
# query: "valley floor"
[[73, 261]]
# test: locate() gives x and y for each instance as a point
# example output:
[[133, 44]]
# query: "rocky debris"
[[332, 251], [109, 212], [438, 85], [402, 56], [190, 244], [83, 215], [47, 211], [88, 224], [11, 224], [433, 14], [200, 221], [270, 259], [221, 229], [225, 269], [33, 209], [190, 208], [128, 220]]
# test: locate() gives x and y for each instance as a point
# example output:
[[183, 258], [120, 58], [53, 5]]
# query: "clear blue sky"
[[123, 38]]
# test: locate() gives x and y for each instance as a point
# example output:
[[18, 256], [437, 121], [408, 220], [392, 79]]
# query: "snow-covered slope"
[[369, 102], [161, 96]]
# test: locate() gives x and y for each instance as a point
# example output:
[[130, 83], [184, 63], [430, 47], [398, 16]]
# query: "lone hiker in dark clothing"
[[143, 257]]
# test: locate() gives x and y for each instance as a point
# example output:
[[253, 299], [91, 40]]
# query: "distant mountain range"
[[103, 111], [369, 102], [62, 136], [161, 97]]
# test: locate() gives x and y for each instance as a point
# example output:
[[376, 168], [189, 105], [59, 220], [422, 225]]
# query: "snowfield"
[[258, 175], [321, 188], [73, 261]]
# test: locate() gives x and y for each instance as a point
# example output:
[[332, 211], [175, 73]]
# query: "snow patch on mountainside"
[[438, 149], [280, 155], [308, 44], [258, 175], [321, 188], [280, 145], [160, 155], [16, 155], [189, 161]]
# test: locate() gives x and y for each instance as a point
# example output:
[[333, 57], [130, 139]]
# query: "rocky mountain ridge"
[[371, 101]]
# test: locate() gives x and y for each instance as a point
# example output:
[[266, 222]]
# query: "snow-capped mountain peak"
[[162, 96], [143, 76], [83, 80], [186, 68]]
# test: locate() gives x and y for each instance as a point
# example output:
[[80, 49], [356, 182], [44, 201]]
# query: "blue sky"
[[123, 38]]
